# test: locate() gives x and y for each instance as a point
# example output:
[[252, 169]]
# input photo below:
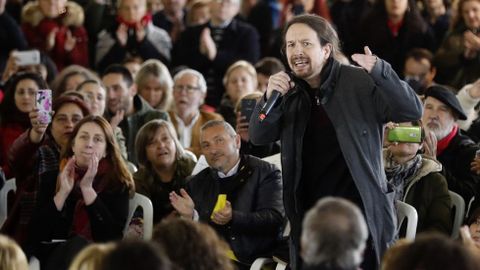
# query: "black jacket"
[[240, 42], [256, 203], [456, 159]]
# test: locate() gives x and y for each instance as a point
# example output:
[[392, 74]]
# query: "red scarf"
[[143, 21], [81, 221], [443, 143], [394, 27]]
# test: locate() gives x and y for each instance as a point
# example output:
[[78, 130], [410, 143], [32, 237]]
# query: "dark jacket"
[[427, 191], [452, 67], [156, 44], [374, 32], [132, 123], [11, 38], [240, 42], [148, 183], [107, 214], [257, 206], [456, 159], [358, 104]]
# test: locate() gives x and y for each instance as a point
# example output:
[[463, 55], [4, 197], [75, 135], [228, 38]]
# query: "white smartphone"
[[25, 58]]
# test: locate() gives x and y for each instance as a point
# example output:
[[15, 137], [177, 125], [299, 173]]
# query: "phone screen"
[[247, 107]]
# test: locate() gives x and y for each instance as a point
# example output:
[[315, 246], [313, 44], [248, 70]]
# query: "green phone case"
[[405, 134]]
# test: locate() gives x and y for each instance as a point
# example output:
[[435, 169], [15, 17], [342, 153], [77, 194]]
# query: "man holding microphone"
[[329, 117]]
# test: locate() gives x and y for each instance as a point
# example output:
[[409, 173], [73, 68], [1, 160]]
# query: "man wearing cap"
[[445, 141]]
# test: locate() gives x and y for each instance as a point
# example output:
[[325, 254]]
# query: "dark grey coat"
[[358, 104]]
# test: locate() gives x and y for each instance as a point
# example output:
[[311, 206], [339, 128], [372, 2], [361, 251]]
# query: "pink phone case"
[[44, 105]]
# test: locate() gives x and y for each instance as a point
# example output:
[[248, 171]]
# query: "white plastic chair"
[[34, 263], [404, 210], [260, 262], [191, 155], [459, 204], [10, 185], [142, 201], [275, 159]]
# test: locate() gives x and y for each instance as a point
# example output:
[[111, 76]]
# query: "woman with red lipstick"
[[35, 153], [87, 196], [164, 166], [19, 101]]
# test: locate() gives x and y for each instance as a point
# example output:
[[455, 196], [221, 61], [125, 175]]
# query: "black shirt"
[[324, 171]]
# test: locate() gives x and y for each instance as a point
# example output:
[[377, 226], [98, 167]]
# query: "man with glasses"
[[212, 47], [189, 92], [419, 70]]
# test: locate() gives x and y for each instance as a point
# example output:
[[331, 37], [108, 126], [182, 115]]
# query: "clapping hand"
[[122, 34], [207, 45], [182, 203], [66, 178], [366, 61], [430, 144]]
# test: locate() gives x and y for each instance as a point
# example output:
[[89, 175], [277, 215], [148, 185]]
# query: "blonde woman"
[[91, 257], [11, 255], [155, 84]]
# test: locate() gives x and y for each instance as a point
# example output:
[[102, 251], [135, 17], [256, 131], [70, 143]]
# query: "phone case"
[[221, 202], [44, 105], [247, 107], [25, 58], [405, 134]]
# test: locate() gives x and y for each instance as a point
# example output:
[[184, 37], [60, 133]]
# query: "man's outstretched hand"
[[366, 61]]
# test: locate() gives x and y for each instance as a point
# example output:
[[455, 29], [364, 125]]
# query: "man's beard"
[[442, 133]]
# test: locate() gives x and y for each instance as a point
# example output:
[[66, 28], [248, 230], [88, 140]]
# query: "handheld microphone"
[[267, 107]]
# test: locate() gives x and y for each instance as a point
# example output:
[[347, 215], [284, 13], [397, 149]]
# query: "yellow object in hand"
[[221, 202]]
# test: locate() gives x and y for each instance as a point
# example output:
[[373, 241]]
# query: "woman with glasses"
[[189, 91]]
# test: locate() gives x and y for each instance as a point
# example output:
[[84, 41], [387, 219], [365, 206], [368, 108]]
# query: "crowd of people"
[[146, 92]]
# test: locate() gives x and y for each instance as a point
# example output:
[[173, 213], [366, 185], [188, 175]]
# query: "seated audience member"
[[46, 68], [164, 166], [433, 251], [240, 79], [56, 27], [18, 102], [457, 58], [242, 123], [133, 64], [125, 108], [445, 142], [154, 84], [94, 94], [334, 235], [138, 255], [252, 217], [172, 18], [198, 12], [36, 152], [11, 255], [133, 34], [192, 245], [69, 78], [418, 181], [189, 91], [212, 47], [11, 36], [154, 6], [437, 15], [473, 223], [419, 70], [87, 196], [391, 29], [265, 68], [91, 257]]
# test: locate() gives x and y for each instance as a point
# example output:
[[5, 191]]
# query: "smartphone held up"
[[405, 134], [44, 105]]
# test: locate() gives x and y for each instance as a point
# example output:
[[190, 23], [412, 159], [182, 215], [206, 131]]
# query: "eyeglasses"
[[190, 89]]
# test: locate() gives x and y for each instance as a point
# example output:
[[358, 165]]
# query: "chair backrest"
[[190, 154], [275, 159], [142, 201], [459, 204], [405, 210], [131, 167], [10, 185]]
